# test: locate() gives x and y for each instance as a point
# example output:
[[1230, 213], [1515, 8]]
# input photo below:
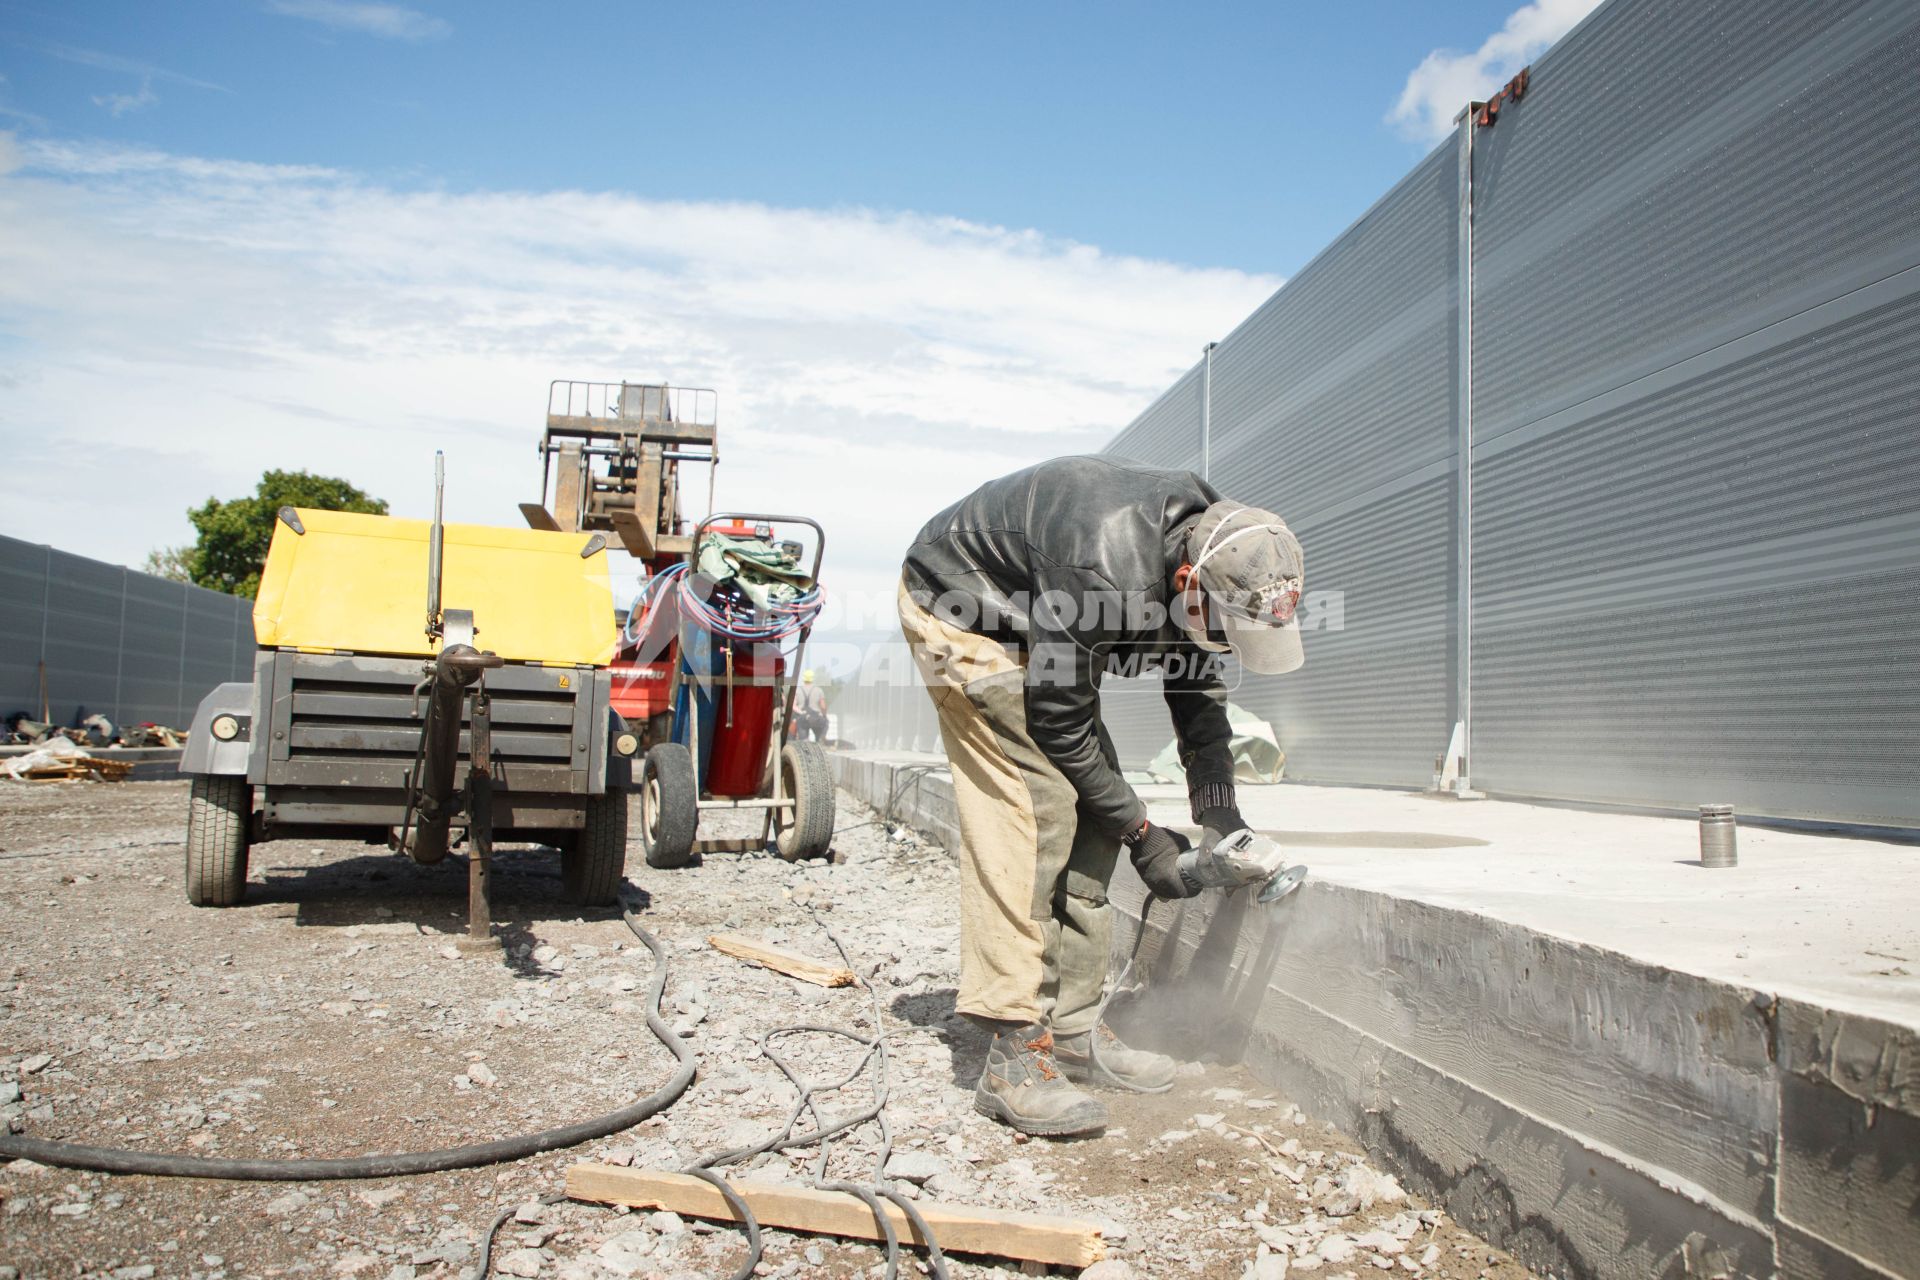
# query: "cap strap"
[[1208, 551]]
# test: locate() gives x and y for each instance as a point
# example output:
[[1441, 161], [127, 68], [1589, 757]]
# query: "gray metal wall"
[[1335, 404], [888, 711], [127, 645], [1694, 495]]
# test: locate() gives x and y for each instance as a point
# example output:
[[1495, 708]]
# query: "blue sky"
[[1220, 135], [911, 246]]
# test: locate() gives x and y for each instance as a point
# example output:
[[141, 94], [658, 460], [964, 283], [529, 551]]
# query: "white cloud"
[[1446, 79], [119, 104], [9, 153], [129, 66], [390, 21], [171, 326]]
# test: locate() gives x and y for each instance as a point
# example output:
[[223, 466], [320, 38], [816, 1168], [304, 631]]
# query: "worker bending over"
[[1016, 601]]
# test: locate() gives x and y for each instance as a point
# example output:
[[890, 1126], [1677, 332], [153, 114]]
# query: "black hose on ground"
[[74, 1155]]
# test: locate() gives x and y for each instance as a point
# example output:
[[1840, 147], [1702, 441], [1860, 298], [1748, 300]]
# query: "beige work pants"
[[1035, 926]]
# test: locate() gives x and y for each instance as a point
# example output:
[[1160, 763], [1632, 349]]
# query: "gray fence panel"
[[1695, 426], [82, 630], [210, 657], [1335, 405], [151, 647], [1168, 433], [1372, 705], [1680, 174], [1696, 387], [23, 595], [887, 709], [127, 645], [1345, 380]]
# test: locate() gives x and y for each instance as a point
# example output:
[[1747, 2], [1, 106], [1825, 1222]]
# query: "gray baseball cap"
[[1251, 567]]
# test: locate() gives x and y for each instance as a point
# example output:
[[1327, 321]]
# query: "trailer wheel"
[[218, 813], [669, 806], [808, 778], [594, 861]]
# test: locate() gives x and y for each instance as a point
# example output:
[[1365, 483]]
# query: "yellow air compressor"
[[377, 713]]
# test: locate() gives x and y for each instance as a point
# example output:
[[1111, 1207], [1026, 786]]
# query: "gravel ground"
[[330, 1015]]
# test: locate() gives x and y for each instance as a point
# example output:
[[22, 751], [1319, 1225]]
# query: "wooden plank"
[[801, 967], [1000, 1233]]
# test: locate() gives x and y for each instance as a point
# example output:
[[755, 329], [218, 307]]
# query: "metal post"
[[436, 543], [1206, 411], [120, 655], [183, 713], [1461, 748], [480, 821], [46, 617]]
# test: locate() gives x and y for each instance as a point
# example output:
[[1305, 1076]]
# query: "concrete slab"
[[1826, 918], [1608, 1058]]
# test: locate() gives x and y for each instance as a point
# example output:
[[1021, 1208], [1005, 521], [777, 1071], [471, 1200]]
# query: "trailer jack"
[[456, 690]]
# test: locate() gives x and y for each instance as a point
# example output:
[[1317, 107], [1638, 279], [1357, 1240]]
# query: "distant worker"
[[810, 710], [1016, 601]]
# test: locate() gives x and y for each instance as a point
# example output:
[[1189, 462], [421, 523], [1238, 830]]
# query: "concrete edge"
[[1796, 1130]]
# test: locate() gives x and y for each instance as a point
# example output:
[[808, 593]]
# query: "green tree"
[[234, 535], [172, 563]]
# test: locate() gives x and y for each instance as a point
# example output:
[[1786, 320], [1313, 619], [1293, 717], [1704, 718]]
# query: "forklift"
[[708, 665]]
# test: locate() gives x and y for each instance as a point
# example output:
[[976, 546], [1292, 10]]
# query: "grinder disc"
[[1281, 885]]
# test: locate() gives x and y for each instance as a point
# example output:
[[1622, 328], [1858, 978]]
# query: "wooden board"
[[999, 1233], [807, 970], [73, 768]]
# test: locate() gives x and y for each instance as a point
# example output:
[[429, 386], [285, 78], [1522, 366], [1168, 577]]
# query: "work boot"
[[1021, 1086], [1099, 1057]]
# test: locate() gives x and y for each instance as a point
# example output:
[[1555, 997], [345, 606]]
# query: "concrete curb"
[[1597, 1115]]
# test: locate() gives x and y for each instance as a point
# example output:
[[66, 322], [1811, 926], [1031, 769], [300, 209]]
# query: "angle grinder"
[[1241, 858]]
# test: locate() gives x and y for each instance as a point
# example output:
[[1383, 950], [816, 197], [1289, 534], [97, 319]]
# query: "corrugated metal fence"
[[127, 645], [1679, 565]]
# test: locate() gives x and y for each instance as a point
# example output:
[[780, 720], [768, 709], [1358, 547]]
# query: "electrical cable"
[[73, 1155], [823, 1132], [912, 773], [734, 619]]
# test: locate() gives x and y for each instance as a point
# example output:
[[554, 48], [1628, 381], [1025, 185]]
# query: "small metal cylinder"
[[1717, 845]]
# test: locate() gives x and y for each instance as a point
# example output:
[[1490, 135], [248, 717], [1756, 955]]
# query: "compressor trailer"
[[491, 720]]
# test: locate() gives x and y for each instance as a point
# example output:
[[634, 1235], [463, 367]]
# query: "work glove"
[[1243, 858], [1214, 809], [1156, 854]]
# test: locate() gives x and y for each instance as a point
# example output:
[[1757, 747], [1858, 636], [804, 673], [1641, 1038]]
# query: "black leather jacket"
[[1107, 534]]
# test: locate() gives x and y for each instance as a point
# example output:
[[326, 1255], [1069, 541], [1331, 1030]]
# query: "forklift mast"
[[610, 461]]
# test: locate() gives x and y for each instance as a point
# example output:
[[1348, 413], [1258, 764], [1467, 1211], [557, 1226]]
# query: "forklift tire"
[[808, 778], [594, 862], [669, 806], [218, 814]]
